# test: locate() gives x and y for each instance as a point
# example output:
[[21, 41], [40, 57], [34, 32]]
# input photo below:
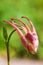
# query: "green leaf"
[[5, 34]]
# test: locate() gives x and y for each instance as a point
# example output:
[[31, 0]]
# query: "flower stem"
[[8, 55]]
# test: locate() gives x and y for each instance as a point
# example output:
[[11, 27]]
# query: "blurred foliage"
[[17, 8]]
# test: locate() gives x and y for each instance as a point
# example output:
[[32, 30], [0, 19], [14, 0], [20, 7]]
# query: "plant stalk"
[[8, 54]]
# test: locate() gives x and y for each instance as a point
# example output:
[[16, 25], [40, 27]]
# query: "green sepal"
[[5, 34]]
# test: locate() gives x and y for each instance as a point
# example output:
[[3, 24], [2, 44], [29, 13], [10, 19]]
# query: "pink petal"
[[32, 26], [21, 27], [22, 23], [17, 29]]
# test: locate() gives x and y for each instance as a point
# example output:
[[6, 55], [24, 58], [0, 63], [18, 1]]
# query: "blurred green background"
[[17, 8]]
